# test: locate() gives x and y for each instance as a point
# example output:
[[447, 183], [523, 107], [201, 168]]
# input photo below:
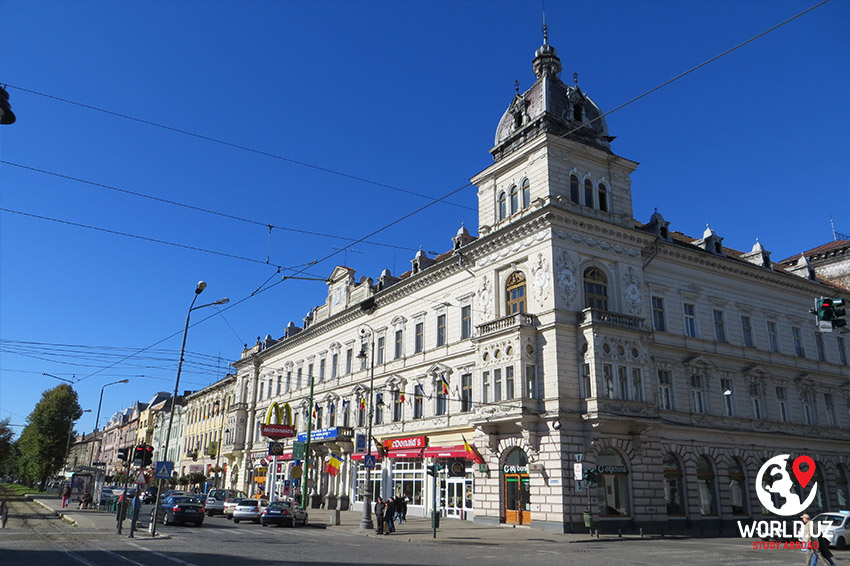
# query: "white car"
[[838, 530], [250, 510]]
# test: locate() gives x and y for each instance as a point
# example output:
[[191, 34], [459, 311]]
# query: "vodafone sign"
[[405, 443]]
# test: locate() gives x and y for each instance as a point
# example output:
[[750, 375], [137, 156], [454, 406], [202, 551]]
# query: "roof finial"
[[575, 79], [545, 30], [516, 86]]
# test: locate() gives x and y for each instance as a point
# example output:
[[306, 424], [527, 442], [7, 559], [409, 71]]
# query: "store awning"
[[357, 456], [456, 451], [406, 453]]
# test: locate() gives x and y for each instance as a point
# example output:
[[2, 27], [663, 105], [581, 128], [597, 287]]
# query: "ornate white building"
[[565, 331]]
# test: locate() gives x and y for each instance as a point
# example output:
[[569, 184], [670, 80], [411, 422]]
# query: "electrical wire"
[[237, 146]]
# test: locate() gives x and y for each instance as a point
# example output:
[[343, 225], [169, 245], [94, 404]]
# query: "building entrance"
[[515, 486]]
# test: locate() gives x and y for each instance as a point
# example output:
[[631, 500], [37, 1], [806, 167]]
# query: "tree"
[[8, 450], [43, 441]]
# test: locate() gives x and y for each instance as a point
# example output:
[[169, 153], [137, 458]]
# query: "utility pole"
[[306, 475]]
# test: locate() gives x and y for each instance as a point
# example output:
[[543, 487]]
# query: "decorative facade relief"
[[596, 243], [631, 291], [540, 276], [513, 248], [485, 294], [565, 269]]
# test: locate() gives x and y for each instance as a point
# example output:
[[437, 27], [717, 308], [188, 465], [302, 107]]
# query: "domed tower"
[[552, 142]]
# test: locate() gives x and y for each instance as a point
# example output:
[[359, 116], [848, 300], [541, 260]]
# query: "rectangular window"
[[755, 400], [362, 356], [361, 414], [658, 322], [608, 377], [346, 414], [279, 381], [485, 387], [349, 357], [379, 408], [819, 344], [398, 406], [637, 385], [441, 330], [399, 344], [497, 385], [465, 322], [772, 336], [322, 364], [334, 365], [830, 409], [808, 407], [288, 381], [509, 382], [781, 397], [262, 383], [379, 356], [331, 415], [419, 339], [530, 382], [466, 392], [842, 352], [298, 379], [585, 380], [698, 394], [623, 382], [747, 331], [417, 403], [719, 326], [441, 402], [728, 401], [690, 312], [799, 350]]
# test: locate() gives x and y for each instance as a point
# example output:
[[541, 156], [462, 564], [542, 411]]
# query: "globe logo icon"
[[773, 478]]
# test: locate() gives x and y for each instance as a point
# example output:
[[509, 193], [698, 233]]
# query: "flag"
[[333, 465], [331, 408], [471, 452], [401, 398], [362, 403], [345, 404], [420, 388], [445, 384], [379, 400], [314, 412]]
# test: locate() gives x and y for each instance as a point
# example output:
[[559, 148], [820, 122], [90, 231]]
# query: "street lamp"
[[198, 290], [366, 521], [97, 419]]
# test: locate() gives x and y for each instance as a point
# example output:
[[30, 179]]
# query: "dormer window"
[[526, 193], [574, 189], [577, 113], [502, 206], [514, 199], [603, 198]]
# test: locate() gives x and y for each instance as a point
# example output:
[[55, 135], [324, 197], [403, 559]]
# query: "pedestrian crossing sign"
[[163, 470]]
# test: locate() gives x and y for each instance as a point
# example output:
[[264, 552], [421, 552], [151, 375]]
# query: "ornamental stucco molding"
[[631, 291], [592, 242], [513, 248], [565, 270], [540, 277]]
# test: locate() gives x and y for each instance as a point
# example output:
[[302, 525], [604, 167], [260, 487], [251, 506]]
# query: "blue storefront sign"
[[332, 433]]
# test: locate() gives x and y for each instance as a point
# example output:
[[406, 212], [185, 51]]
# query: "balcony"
[[592, 316], [516, 320]]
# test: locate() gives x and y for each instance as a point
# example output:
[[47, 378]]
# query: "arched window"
[[738, 487], [514, 199], [613, 490], [574, 189], [588, 193], [674, 486], [526, 193], [603, 198], [842, 488], [595, 289], [515, 292], [502, 206], [707, 487]]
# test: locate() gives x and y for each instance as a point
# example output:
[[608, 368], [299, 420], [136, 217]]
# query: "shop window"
[[595, 289], [613, 489], [674, 486], [515, 291], [409, 479], [707, 487], [738, 487]]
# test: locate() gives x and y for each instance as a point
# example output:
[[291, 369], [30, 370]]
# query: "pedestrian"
[[825, 552], [379, 512], [66, 495], [388, 517], [809, 541], [404, 502]]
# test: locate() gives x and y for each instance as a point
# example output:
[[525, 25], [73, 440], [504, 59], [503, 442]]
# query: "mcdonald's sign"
[[282, 425]]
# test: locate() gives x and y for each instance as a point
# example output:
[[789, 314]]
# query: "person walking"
[[379, 513], [399, 504], [824, 551], [388, 517], [808, 539], [65, 495], [404, 501]]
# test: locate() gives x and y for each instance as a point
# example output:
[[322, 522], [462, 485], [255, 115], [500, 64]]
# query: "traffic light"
[[139, 455], [829, 310], [147, 458], [122, 454], [838, 313], [434, 468], [590, 476]]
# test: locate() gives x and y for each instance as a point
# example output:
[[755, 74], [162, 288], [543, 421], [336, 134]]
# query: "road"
[[35, 537]]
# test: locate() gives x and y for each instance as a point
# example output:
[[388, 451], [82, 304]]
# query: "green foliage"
[[43, 441], [183, 481], [8, 450], [197, 478]]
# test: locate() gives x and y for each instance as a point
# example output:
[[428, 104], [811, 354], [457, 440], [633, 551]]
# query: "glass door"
[[456, 493]]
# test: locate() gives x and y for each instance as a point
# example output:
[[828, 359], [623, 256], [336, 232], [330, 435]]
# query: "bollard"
[[620, 533], [334, 518], [641, 532]]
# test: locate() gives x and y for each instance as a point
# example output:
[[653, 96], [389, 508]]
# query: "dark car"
[[149, 496], [283, 513], [180, 509]]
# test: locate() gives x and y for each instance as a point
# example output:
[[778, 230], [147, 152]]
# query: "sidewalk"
[[415, 529]]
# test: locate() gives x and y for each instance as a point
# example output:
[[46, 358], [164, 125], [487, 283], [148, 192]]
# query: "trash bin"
[[435, 520], [587, 519]]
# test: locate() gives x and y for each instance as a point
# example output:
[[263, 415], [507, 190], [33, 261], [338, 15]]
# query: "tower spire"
[[545, 30]]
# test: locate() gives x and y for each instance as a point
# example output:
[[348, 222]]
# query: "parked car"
[[149, 496], [283, 513], [838, 531], [179, 509], [229, 507], [175, 493], [250, 510], [218, 499]]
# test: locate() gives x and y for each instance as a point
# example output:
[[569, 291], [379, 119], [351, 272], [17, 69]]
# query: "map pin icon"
[[804, 477]]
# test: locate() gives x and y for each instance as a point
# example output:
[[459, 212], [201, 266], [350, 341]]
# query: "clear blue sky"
[[406, 94]]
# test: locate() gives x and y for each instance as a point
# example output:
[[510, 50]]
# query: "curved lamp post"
[[198, 290], [97, 420], [366, 521]]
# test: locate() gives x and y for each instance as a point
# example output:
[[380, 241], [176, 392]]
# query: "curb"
[[62, 516]]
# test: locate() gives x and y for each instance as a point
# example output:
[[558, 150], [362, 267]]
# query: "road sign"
[[163, 470], [140, 479], [369, 461], [298, 450], [360, 444]]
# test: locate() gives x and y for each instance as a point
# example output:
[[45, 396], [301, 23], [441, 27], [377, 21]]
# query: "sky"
[[156, 142]]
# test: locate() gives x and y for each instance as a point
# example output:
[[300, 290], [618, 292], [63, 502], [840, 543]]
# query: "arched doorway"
[[515, 485]]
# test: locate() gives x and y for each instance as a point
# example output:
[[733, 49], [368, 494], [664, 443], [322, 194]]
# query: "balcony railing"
[[515, 320], [594, 316]]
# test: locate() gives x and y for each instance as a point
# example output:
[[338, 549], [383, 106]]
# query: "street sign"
[[824, 326], [298, 450], [140, 479], [360, 444], [163, 470], [369, 461], [296, 472]]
